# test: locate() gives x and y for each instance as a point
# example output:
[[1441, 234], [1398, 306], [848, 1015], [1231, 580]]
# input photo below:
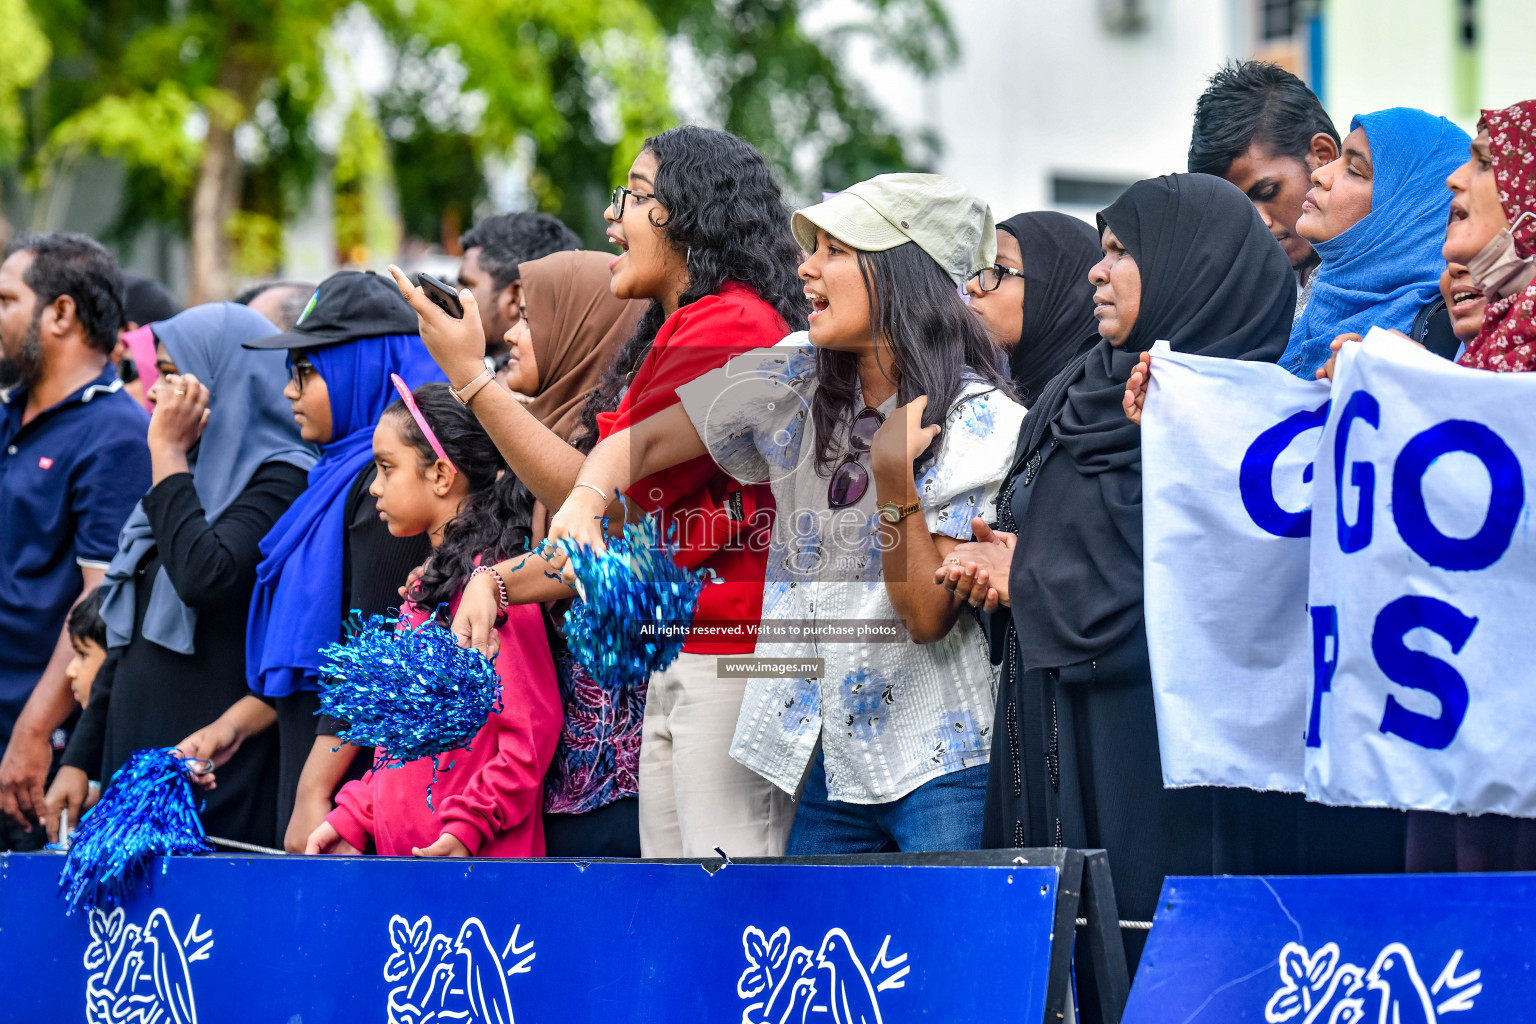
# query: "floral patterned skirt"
[[598, 757]]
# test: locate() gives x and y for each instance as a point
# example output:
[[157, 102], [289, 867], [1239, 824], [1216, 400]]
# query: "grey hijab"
[[249, 424]]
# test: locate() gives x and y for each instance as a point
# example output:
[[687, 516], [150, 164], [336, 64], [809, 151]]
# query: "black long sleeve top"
[[149, 696]]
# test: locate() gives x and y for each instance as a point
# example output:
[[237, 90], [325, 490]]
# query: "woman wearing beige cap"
[[882, 431]]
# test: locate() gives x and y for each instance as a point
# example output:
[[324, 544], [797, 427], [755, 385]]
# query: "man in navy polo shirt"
[[73, 463]]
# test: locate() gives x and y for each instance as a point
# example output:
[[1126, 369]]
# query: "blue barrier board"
[[292, 940], [1390, 949]]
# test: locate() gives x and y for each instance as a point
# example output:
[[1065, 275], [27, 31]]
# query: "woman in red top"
[[704, 236], [439, 475]]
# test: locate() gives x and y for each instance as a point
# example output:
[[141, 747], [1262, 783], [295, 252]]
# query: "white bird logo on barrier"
[[462, 980], [828, 986], [141, 972], [1315, 988]]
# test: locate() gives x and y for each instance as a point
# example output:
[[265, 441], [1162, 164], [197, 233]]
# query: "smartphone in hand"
[[442, 296]]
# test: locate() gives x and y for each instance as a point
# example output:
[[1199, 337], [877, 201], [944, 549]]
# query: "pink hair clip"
[[421, 421]]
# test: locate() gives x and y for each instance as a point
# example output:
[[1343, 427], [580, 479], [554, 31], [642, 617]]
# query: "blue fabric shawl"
[[1386, 267], [296, 608]]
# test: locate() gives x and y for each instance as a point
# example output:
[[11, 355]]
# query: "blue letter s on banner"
[[1420, 671]]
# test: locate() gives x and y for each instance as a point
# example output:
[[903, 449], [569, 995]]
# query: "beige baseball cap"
[[946, 221]]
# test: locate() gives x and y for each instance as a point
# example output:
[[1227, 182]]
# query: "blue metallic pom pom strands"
[[632, 584], [409, 693], [148, 809]]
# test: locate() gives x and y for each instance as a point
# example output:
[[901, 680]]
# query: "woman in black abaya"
[[1036, 301], [1075, 756]]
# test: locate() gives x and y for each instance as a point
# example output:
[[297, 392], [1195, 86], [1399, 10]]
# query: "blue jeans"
[[941, 814]]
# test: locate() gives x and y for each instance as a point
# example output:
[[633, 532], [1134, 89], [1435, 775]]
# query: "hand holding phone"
[[441, 295]]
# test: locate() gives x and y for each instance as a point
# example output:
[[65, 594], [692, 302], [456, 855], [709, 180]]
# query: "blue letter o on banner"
[[1505, 500]]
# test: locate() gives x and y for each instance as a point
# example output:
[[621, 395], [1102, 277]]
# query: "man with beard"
[[73, 463], [1260, 127], [493, 250]]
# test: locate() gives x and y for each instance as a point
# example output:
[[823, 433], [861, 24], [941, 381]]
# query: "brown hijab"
[[578, 328]]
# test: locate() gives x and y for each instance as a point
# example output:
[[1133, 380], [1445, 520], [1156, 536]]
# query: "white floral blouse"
[[890, 714]]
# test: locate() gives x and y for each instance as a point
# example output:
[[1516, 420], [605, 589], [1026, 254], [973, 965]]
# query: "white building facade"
[[1057, 104]]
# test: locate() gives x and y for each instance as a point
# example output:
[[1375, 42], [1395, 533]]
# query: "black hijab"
[[1213, 282], [1058, 300]]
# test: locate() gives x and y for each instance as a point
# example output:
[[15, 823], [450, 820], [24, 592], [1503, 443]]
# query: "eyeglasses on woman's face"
[[300, 370], [621, 196], [991, 278]]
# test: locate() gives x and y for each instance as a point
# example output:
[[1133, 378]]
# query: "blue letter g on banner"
[[1256, 476], [1505, 500], [1362, 405]]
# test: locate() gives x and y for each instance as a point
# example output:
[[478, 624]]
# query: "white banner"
[[1377, 651], [1226, 454], [1423, 587]]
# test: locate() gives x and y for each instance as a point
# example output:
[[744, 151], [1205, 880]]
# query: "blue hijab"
[[1384, 269], [249, 425], [296, 608]]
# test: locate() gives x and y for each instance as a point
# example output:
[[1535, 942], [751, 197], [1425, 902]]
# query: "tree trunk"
[[217, 195], [218, 180]]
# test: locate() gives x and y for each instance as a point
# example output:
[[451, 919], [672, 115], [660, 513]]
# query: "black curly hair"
[[495, 522], [726, 215], [1249, 102]]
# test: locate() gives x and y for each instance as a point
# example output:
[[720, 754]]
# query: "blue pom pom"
[[148, 809], [411, 693], [637, 604]]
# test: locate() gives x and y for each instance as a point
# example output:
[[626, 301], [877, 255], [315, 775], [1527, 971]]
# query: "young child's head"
[[447, 481], [886, 261], [88, 636], [421, 483]]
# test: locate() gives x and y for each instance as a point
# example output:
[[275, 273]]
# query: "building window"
[[1071, 190], [1278, 19], [1123, 17]]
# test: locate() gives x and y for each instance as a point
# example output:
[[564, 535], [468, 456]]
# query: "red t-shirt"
[[721, 524]]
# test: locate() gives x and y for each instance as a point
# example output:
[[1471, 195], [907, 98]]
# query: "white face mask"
[[1498, 269]]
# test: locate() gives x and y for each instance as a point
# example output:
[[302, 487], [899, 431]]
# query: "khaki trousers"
[[693, 796]]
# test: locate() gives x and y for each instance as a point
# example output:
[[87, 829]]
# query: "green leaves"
[[781, 85], [559, 94], [144, 130], [24, 53]]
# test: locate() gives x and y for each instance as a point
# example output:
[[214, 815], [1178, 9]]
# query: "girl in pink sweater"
[[439, 474]]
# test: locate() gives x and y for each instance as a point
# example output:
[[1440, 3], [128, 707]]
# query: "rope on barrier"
[[1137, 926], [247, 847]]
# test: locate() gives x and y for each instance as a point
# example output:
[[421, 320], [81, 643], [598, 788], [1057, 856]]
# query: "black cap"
[[348, 305]]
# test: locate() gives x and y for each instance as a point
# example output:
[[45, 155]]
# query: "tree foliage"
[[561, 91], [781, 84]]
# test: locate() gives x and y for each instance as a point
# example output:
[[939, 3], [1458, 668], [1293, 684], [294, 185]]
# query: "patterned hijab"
[[1507, 342]]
